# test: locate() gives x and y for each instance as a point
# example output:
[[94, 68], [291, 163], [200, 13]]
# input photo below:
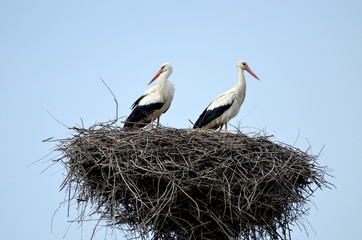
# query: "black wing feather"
[[140, 114], [137, 101], [208, 115]]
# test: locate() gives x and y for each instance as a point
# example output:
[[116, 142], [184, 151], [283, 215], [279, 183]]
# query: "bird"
[[154, 102], [227, 105]]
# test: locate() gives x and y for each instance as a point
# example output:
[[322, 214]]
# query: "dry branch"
[[189, 184]]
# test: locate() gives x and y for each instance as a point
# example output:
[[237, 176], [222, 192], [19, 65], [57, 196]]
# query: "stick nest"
[[189, 184]]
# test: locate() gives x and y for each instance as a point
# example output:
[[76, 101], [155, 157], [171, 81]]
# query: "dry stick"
[[47, 155], [81, 119], [193, 124], [114, 98], [69, 193], [95, 227], [58, 120]]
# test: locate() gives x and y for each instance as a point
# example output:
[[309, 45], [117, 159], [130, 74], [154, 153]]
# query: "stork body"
[[227, 105], [154, 102]]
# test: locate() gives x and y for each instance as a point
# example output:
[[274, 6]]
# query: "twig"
[[193, 124], [58, 120], [114, 98]]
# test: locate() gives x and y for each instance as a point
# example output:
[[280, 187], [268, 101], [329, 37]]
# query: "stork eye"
[[162, 67], [244, 64]]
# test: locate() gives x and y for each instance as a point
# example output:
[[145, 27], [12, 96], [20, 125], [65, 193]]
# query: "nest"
[[189, 184]]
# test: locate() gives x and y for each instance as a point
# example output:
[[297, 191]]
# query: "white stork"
[[154, 102], [227, 105]]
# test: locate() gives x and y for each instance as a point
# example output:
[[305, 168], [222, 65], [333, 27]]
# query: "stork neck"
[[162, 79], [162, 84], [241, 82]]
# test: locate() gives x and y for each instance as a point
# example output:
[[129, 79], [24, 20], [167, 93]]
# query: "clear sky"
[[308, 55]]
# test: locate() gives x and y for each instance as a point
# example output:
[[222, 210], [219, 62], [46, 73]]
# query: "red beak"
[[251, 72], [156, 76]]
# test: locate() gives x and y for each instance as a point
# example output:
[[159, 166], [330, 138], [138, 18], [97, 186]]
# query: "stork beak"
[[156, 76], [251, 72]]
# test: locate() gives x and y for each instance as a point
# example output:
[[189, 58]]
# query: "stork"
[[227, 105], [154, 102]]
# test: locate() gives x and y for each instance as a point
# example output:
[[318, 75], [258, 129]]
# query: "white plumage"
[[227, 105], [154, 102]]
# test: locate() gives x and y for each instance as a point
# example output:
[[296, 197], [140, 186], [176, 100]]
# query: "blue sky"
[[308, 55]]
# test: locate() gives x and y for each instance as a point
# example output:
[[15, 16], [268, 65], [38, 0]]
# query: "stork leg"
[[152, 121], [221, 127], [158, 122], [226, 126]]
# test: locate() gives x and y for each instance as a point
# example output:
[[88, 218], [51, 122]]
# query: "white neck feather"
[[241, 85], [165, 88]]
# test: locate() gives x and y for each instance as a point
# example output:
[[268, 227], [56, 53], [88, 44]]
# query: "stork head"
[[243, 65], [165, 69]]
